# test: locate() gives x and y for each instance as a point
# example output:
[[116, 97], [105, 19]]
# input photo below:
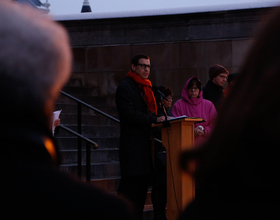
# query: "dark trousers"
[[135, 189], [159, 186]]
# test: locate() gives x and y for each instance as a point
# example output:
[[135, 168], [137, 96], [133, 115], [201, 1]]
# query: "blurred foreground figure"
[[239, 165], [35, 63]]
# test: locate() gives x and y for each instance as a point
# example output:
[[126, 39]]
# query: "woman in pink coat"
[[192, 104]]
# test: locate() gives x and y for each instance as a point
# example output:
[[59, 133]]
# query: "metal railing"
[[78, 134], [80, 103], [90, 144]]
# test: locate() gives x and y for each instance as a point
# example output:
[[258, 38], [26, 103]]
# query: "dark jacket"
[[213, 92], [33, 187], [135, 143]]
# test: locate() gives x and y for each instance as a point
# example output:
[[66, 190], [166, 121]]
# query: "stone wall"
[[180, 46]]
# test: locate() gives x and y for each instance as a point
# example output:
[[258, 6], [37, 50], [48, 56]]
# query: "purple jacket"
[[196, 107]]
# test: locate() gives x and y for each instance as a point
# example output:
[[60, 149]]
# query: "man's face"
[[142, 69], [221, 79]]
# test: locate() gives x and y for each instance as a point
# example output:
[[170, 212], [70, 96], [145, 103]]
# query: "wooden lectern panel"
[[180, 186]]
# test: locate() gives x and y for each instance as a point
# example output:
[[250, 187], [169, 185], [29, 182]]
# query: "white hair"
[[32, 47]]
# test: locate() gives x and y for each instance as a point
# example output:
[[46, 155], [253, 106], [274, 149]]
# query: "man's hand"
[[56, 122], [161, 119]]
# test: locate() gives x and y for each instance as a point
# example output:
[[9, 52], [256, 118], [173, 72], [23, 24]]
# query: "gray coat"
[[135, 144]]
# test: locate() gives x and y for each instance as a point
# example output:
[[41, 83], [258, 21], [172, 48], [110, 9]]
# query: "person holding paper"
[[32, 185], [192, 104], [56, 120]]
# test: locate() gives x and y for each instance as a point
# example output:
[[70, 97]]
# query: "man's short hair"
[[136, 58]]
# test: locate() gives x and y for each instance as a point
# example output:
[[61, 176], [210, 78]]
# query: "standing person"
[[33, 187], [167, 104], [159, 192], [213, 90], [137, 112], [192, 104], [238, 166]]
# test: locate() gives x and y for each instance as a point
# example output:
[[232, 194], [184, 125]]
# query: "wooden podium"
[[180, 186]]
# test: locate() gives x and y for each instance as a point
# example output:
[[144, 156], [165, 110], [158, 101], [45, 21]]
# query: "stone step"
[[98, 170], [91, 100], [73, 108], [71, 143], [90, 120], [101, 131], [76, 80], [97, 156], [109, 184], [105, 169]]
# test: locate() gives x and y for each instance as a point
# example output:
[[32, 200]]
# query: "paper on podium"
[[184, 116], [55, 116], [176, 118], [197, 120]]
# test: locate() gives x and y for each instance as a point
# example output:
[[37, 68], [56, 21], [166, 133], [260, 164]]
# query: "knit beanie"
[[216, 70]]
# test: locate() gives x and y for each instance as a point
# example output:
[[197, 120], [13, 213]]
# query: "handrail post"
[[79, 122], [88, 162], [80, 136]]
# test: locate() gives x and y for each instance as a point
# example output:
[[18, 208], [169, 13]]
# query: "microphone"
[[162, 95]]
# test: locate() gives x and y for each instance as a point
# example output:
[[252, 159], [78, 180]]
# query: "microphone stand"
[[166, 123]]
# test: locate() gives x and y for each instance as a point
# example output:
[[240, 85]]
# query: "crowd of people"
[[139, 106], [238, 165], [234, 150]]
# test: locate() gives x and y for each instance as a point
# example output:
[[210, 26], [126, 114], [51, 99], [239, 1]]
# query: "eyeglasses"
[[223, 77], [144, 66], [193, 88]]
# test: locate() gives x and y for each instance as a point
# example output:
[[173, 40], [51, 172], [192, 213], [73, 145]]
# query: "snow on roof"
[[167, 11]]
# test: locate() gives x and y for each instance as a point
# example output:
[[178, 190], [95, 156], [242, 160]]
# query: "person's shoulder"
[[178, 102], [206, 89], [127, 81], [207, 102]]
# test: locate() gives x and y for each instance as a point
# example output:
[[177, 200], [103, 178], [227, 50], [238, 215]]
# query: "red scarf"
[[146, 87]]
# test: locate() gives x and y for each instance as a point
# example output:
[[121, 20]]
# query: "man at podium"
[[137, 111]]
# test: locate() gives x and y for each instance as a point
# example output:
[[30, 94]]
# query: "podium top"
[[180, 118]]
